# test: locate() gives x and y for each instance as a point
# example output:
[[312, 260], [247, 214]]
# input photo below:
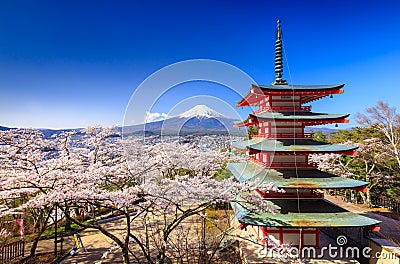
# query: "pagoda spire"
[[278, 57]]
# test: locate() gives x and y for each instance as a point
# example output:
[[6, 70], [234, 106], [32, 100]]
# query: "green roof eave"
[[298, 116], [243, 145], [297, 87], [291, 145], [314, 213], [286, 178]]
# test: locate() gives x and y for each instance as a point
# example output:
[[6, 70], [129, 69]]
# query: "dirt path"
[[96, 245]]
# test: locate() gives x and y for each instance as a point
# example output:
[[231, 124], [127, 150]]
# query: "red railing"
[[284, 135], [309, 193], [262, 164], [283, 108], [285, 165], [258, 136]]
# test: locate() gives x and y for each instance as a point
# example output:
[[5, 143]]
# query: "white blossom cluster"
[[95, 165]]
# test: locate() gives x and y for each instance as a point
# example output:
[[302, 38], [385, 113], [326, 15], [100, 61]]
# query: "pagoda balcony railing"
[[306, 108], [290, 195], [284, 135], [262, 164], [258, 136], [285, 165]]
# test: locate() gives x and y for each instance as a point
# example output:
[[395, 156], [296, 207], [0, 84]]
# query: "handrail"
[[306, 108], [284, 135], [308, 165], [311, 165]]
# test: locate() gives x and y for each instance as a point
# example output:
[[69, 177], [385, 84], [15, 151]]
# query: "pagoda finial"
[[278, 32], [278, 57]]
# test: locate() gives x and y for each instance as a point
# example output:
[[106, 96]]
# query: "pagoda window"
[[286, 124], [285, 103], [289, 130], [257, 156], [285, 100], [285, 97]]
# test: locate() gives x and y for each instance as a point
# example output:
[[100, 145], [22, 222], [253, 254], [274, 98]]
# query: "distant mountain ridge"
[[198, 120]]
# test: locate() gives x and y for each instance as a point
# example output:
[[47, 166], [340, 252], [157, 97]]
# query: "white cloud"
[[153, 117]]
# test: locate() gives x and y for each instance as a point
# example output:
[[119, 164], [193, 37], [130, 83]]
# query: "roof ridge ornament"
[[278, 57]]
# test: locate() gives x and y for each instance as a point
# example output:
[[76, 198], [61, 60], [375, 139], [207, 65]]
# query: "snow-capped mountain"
[[201, 111], [198, 120]]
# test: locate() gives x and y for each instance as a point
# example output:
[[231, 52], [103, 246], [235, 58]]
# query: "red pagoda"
[[280, 152]]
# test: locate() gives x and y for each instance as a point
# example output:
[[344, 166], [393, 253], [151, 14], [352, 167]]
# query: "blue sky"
[[66, 64]]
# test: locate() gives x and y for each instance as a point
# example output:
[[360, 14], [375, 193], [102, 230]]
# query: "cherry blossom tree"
[[151, 184], [367, 165], [27, 168], [385, 119]]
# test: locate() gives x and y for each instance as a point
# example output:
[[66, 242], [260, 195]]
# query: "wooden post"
[[55, 233], [83, 215]]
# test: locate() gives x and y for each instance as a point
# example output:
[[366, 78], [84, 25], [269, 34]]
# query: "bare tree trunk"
[[364, 198], [125, 255], [41, 231], [35, 244], [368, 196]]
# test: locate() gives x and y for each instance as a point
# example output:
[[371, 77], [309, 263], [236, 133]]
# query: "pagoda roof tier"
[[304, 145], [297, 213], [307, 118], [308, 93], [290, 178], [298, 88]]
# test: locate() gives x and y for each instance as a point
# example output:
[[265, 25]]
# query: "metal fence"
[[391, 204], [379, 201], [11, 251]]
